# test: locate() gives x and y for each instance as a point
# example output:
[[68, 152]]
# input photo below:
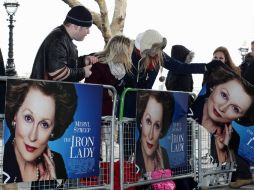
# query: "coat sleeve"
[[178, 67], [81, 62], [2, 69], [97, 76]]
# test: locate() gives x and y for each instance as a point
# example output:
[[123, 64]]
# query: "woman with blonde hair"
[[114, 63]]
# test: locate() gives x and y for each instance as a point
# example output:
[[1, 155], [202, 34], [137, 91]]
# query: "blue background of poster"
[[177, 151], [246, 146], [88, 111], [177, 147]]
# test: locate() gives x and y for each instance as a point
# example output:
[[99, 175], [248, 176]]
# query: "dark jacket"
[[180, 82], [248, 60], [11, 167], [2, 84], [145, 80], [248, 73], [2, 70], [56, 52], [101, 75]]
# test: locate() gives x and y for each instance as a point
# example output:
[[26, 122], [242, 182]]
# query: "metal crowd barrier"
[[129, 176], [118, 145], [105, 180], [210, 174]]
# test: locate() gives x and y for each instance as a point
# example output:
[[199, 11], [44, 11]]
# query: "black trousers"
[[243, 166]]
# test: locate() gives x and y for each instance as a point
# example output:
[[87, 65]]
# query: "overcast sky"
[[200, 25]]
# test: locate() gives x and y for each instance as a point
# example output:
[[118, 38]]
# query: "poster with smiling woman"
[[51, 130], [225, 97], [161, 131]]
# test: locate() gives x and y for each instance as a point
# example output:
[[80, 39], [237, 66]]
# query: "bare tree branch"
[[72, 3], [97, 20], [118, 19], [105, 28]]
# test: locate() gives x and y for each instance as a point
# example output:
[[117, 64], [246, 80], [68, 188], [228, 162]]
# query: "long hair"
[[228, 59], [148, 55], [118, 51]]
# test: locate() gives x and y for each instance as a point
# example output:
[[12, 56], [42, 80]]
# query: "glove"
[[213, 65]]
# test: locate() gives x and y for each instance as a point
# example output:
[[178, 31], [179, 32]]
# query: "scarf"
[[117, 70]]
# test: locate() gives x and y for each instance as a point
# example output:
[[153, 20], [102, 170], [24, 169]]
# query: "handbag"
[[164, 185], [131, 175]]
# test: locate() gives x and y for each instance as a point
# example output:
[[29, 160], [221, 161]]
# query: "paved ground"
[[250, 187]]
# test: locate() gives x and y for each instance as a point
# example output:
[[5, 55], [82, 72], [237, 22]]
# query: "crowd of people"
[[126, 63]]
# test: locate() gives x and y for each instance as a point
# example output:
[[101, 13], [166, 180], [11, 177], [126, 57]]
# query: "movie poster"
[[178, 132], [161, 130], [53, 129], [224, 98]]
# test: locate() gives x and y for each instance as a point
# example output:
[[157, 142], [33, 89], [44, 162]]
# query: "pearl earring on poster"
[[13, 124]]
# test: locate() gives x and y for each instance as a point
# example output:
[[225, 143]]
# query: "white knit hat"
[[150, 37]]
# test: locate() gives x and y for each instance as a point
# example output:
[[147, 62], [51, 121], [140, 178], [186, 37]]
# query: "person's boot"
[[239, 183], [203, 188]]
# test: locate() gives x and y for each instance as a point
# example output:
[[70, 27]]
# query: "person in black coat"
[[248, 59], [57, 58], [147, 58], [180, 82], [2, 69], [36, 112], [2, 84]]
